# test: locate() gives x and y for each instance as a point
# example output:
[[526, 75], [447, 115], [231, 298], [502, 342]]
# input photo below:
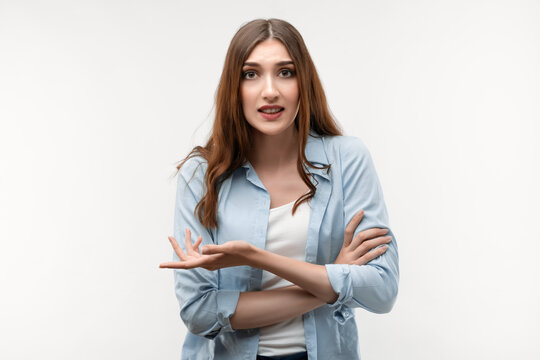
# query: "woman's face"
[[269, 81]]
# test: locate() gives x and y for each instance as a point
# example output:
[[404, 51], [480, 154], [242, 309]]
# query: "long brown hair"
[[230, 140]]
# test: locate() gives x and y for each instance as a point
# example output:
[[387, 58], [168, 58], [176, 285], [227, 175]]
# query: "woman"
[[275, 200]]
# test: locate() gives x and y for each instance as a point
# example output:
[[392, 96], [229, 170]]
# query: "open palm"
[[213, 257]]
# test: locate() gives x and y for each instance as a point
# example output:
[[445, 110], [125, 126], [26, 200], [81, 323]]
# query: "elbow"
[[199, 321], [209, 314], [382, 297], [387, 298], [199, 325], [387, 301], [387, 289]]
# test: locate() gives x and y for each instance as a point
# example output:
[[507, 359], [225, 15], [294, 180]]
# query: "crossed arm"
[[312, 286]]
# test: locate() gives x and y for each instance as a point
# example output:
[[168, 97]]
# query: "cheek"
[[246, 95], [293, 93], [247, 103]]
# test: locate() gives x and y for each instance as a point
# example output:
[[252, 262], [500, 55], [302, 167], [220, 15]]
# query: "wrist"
[[254, 257]]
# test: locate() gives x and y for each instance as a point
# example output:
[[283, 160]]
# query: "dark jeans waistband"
[[297, 356]]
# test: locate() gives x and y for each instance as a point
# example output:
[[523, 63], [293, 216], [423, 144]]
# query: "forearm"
[[262, 308], [310, 277]]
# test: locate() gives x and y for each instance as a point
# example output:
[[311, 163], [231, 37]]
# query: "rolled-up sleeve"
[[373, 286], [204, 308]]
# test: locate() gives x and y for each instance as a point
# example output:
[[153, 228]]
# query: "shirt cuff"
[[227, 300], [340, 279]]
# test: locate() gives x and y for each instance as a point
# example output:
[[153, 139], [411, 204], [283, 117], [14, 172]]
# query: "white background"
[[100, 99]]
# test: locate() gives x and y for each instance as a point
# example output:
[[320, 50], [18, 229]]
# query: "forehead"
[[269, 51]]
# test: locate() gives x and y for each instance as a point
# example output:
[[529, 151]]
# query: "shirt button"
[[346, 314]]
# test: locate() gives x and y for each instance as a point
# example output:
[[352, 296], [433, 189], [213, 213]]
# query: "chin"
[[271, 129]]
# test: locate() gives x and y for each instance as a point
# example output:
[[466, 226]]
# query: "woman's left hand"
[[212, 257], [365, 245]]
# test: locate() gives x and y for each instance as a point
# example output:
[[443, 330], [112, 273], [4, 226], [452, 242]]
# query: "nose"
[[269, 91]]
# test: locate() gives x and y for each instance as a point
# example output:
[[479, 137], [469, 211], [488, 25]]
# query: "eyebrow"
[[281, 63]]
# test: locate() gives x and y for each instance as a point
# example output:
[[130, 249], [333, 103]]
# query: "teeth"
[[271, 111]]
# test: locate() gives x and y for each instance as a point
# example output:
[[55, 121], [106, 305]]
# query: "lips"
[[271, 107]]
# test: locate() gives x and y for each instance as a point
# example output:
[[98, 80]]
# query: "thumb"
[[210, 249]]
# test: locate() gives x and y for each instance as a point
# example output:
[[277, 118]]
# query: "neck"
[[275, 151]]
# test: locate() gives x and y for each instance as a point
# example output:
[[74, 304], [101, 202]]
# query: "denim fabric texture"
[[208, 298]]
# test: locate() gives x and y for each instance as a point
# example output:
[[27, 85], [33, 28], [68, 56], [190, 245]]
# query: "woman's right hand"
[[363, 248], [211, 257]]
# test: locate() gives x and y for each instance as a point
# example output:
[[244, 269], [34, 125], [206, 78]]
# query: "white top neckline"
[[282, 206]]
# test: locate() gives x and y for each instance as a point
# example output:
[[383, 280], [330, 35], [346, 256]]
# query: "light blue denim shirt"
[[209, 298]]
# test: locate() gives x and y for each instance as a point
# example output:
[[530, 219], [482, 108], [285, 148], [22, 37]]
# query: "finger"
[[351, 227], [192, 262], [180, 264], [211, 262], [212, 249], [196, 245], [189, 246], [177, 249], [367, 235], [371, 255], [171, 265], [371, 244]]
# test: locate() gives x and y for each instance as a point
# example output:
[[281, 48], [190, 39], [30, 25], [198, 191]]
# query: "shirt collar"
[[316, 154]]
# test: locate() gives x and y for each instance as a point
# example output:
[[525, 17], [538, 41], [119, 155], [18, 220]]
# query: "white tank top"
[[286, 235]]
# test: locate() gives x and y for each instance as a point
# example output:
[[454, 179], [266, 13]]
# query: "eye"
[[287, 73], [248, 75]]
